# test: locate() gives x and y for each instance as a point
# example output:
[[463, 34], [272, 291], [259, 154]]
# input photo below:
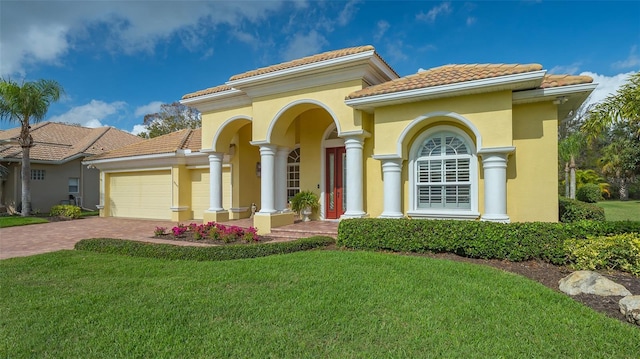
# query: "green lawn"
[[322, 304], [10, 221], [620, 211]]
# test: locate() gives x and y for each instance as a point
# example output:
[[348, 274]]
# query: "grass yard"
[[11, 221], [324, 304], [621, 211]]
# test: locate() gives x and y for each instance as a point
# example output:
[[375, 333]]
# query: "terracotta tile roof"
[[58, 141], [169, 143], [564, 80], [208, 91], [445, 75], [304, 61]]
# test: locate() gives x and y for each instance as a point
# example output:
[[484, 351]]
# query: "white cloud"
[[435, 12], [607, 85], [471, 20], [45, 31], [302, 45], [381, 28], [347, 12], [632, 60], [92, 114], [151, 107], [138, 129]]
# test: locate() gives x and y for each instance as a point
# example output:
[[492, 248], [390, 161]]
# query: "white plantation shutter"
[[443, 173]]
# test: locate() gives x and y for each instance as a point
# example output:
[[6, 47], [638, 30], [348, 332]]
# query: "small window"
[[293, 173], [74, 185], [37, 175]]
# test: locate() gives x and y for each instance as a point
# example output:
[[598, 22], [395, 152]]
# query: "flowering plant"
[[212, 231], [160, 231]]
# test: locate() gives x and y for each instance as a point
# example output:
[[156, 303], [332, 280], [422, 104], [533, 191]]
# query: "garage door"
[[140, 194], [200, 190]]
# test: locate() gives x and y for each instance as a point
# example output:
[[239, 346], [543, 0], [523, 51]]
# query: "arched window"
[[293, 173], [444, 174]]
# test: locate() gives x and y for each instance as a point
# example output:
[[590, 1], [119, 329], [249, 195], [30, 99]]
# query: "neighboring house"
[[57, 173], [458, 141]]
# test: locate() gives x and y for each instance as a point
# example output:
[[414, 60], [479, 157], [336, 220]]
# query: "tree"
[[623, 106], [620, 160], [569, 149], [24, 103], [172, 117]]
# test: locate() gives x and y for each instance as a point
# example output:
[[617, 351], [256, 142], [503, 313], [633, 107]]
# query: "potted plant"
[[304, 203]]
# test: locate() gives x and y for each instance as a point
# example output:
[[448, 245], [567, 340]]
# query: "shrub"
[[620, 252], [512, 241], [211, 253], [589, 193], [65, 210], [571, 210]]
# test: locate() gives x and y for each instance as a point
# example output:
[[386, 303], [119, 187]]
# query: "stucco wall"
[[532, 174], [55, 187]]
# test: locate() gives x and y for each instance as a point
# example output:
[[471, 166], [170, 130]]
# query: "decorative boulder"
[[630, 308], [588, 282]]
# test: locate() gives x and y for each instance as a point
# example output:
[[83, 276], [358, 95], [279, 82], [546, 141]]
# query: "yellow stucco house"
[[476, 142]]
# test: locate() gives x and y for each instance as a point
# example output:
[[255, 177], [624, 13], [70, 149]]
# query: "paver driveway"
[[48, 237]]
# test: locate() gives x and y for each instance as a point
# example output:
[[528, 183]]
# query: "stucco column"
[[281, 178], [267, 178], [494, 164], [215, 181], [353, 145], [392, 187]]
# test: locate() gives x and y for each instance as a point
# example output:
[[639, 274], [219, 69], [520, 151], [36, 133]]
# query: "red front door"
[[335, 200]]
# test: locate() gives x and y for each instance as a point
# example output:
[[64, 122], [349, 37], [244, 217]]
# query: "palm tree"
[[569, 149], [23, 103], [623, 106]]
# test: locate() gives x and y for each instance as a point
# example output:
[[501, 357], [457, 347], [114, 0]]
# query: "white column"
[[354, 144], [392, 181], [281, 178], [494, 164], [215, 182], [267, 178]]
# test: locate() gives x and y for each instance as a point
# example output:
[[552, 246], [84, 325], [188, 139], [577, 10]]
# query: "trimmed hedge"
[[589, 193], [512, 241], [571, 210], [211, 253]]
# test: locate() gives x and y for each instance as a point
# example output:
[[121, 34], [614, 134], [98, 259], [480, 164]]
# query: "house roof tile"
[[564, 80], [451, 74], [209, 91], [170, 143], [325, 56], [58, 141], [444, 75], [329, 55]]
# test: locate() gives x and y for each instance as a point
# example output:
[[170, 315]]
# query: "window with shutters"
[[444, 174]]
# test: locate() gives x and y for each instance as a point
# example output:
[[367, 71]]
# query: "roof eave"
[[218, 100], [513, 82]]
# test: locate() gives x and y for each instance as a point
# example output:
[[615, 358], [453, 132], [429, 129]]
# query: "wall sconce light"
[[560, 100], [258, 169]]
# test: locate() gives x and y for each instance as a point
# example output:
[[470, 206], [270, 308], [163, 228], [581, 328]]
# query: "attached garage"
[[200, 190], [145, 194]]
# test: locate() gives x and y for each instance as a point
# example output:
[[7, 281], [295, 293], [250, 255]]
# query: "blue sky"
[[119, 60]]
